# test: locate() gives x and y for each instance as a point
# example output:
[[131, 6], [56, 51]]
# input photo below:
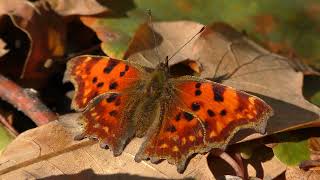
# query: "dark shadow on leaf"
[[89, 174]]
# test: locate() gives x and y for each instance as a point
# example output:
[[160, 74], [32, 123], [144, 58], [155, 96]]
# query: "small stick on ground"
[[226, 157], [26, 102]]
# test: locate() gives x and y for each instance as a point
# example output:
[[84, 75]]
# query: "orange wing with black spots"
[[95, 75], [105, 90], [202, 115], [108, 119]]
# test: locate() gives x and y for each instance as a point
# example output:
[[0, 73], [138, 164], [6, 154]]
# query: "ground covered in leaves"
[[266, 48]]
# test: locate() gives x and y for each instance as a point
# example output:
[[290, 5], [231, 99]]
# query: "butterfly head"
[[164, 66]]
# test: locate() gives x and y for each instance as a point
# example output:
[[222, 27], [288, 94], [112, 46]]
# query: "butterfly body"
[[177, 117]]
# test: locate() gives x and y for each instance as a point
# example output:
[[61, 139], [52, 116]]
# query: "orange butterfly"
[[177, 116]]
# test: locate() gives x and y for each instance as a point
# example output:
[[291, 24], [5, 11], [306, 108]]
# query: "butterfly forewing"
[[95, 75]]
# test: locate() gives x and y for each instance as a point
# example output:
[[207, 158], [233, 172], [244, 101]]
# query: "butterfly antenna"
[[154, 35], [187, 42]]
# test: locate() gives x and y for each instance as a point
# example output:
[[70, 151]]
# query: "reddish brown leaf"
[[47, 42]]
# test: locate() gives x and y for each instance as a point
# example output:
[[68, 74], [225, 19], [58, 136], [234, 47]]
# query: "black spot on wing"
[[111, 64], [94, 80], [197, 92], [218, 93], [210, 113], [111, 98], [188, 116], [113, 113], [195, 106], [126, 68], [122, 73], [113, 85], [223, 112], [198, 85], [100, 84], [171, 128]]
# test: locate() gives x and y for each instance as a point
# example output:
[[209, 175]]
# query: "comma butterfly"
[[177, 116]]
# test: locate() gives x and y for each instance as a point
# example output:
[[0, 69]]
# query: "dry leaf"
[[76, 7], [7, 6], [294, 173], [50, 151], [220, 50], [46, 42]]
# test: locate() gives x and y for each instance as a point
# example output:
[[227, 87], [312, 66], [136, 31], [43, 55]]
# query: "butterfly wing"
[[201, 115], [95, 75], [105, 89]]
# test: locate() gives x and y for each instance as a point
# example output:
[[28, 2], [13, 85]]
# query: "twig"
[[25, 101], [226, 157], [238, 159], [8, 126]]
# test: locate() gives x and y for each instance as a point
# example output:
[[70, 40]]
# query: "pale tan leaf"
[[77, 7]]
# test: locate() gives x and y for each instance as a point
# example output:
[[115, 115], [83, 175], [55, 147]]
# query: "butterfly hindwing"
[[202, 115], [109, 119]]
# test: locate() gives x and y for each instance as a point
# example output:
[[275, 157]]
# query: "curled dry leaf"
[[47, 42], [225, 54], [50, 151], [76, 7]]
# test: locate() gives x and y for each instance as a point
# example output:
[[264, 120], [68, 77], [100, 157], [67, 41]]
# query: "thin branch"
[[25, 101], [226, 157]]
